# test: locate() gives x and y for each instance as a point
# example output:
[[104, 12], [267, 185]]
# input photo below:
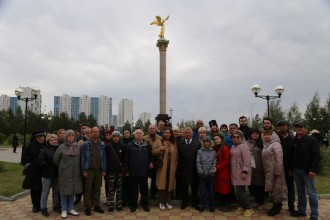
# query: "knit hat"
[[116, 133], [239, 133], [213, 122], [68, 132]]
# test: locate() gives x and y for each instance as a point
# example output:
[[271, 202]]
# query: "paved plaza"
[[21, 208]]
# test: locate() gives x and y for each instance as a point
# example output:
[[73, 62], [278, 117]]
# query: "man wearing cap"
[[93, 167], [32, 179], [287, 146], [305, 165], [214, 127]]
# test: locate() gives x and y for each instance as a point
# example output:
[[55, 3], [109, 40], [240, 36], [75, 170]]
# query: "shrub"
[[2, 138], [324, 152], [2, 166]]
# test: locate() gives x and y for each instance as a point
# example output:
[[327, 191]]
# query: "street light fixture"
[[256, 89], [19, 92]]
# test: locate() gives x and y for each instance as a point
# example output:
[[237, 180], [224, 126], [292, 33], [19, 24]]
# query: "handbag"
[[159, 162]]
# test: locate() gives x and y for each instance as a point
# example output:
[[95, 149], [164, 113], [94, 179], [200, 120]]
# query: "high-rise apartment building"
[[99, 107], [145, 116], [125, 112], [4, 102]]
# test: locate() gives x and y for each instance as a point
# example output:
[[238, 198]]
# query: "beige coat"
[[161, 172], [272, 158]]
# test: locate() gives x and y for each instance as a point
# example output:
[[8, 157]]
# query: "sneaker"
[[119, 209], [248, 212], [312, 218], [161, 206], [110, 210], [88, 212], [73, 212], [98, 209], [64, 214], [169, 205], [44, 212], [239, 210]]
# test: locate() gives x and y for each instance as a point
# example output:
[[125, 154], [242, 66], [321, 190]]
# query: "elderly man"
[[305, 165], [151, 138], [138, 161], [93, 167], [187, 149]]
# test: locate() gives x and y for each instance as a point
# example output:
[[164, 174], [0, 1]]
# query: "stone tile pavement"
[[21, 208]]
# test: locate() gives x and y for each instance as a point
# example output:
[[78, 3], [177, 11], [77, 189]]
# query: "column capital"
[[162, 44]]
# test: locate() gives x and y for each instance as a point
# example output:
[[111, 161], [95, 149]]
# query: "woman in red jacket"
[[222, 183]]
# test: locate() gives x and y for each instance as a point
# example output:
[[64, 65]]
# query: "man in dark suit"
[[187, 149]]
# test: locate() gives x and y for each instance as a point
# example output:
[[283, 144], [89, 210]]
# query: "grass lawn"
[[11, 179]]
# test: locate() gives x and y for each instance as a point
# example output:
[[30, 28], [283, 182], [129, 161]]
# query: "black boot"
[[275, 210]]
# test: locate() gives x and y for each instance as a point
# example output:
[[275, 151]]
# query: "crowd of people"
[[220, 167]]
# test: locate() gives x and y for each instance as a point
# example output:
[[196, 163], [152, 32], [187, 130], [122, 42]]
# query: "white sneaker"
[[64, 214], [169, 206], [73, 212], [161, 206]]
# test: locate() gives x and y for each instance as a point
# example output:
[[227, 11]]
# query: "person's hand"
[[103, 173], [243, 176], [311, 174], [85, 174], [163, 148], [151, 165], [213, 170]]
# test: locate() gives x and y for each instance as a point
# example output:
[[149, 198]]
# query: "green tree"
[[127, 126], [139, 124], [293, 115], [146, 126], [256, 122], [312, 113], [325, 116], [91, 121], [276, 112]]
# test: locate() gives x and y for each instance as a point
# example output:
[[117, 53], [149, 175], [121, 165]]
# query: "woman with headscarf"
[[241, 172], [272, 158], [67, 159], [32, 169]]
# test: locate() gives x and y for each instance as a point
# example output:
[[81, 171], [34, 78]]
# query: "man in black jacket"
[[305, 166], [138, 161], [187, 150], [287, 146]]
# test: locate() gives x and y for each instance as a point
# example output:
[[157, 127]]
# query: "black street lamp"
[[256, 89], [19, 92]]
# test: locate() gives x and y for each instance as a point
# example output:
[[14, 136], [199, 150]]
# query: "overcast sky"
[[218, 49]]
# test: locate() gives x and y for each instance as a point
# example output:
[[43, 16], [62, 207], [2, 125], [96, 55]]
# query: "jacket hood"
[[273, 138]]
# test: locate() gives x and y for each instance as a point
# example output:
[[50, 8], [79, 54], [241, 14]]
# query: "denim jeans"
[[67, 202], [303, 182], [206, 191], [48, 183]]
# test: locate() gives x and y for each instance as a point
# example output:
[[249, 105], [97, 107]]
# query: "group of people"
[[217, 165]]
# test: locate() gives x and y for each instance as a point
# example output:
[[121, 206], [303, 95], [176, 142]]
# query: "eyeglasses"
[[236, 137]]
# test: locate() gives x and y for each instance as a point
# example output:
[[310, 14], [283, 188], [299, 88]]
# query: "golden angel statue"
[[160, 22]]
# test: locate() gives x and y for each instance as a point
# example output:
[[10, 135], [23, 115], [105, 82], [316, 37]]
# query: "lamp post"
[[256, 89], [19, 92]]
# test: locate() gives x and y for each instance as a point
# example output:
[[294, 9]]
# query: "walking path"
[[21, 208]]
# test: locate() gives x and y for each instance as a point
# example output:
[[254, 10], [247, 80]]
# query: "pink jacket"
[[240, 157]]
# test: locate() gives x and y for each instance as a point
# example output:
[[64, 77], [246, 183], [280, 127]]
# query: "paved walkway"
[[21, 208], [7, 155]]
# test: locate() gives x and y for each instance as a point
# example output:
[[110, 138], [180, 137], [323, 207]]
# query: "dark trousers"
[[206, 191], [35, 197], [243, 199], [259, 194], [139, 183], [153, 187], [185, 193], [126, 191], [93, 184], [291, 192]]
